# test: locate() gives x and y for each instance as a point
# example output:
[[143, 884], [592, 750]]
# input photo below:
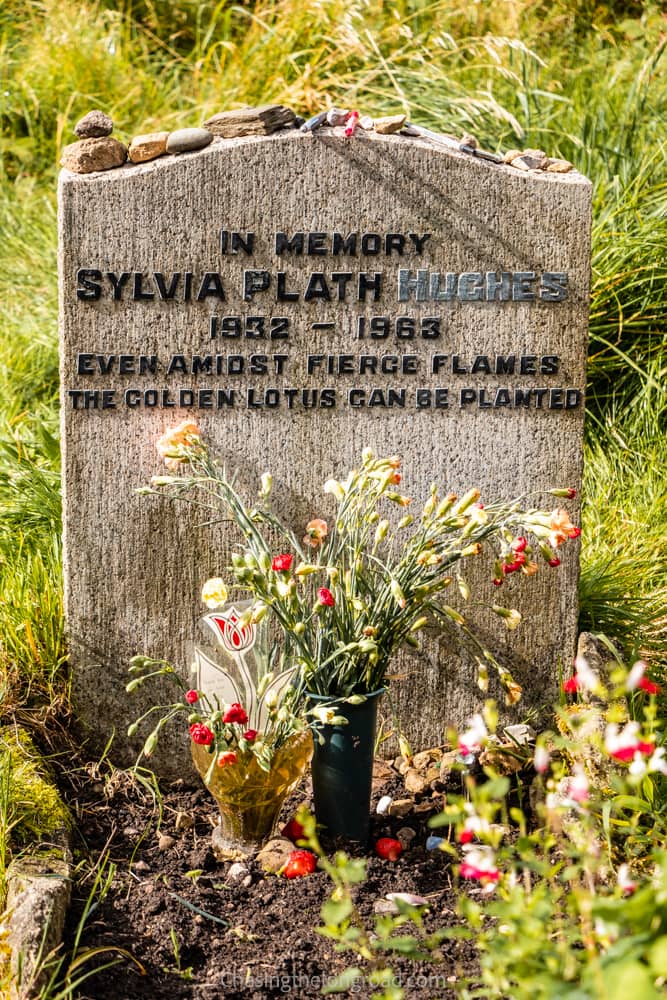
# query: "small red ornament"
[[293, 830], [300, 863], [388, 848]]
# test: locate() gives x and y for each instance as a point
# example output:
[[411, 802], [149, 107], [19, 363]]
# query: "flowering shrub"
[[565, 898], [356, 588]]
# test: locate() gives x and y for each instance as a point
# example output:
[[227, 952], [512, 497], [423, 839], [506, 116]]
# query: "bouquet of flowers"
[[352, 590]]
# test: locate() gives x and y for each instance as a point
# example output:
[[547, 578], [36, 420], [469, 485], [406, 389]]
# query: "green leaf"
[[629, 979], [657, 956], [335, 911], [343, 982]]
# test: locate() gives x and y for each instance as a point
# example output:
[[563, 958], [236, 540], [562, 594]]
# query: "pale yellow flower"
[[214, 592]]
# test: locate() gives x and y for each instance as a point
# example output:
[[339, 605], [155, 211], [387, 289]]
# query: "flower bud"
[[138, 662], [464, 589], [267, 484], [265, 562], [367, 455], [335, 488], [472, 550], [472, 496], [419, 624], [151, 743], [133, 685], [405, 521], [457, 618], [381, 531], [305, 569], [355, 699], [511, 617], [397, 593], [132, 730], [299, 628]]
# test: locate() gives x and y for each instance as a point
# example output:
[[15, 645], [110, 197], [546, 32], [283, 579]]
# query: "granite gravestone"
[[302, 297]]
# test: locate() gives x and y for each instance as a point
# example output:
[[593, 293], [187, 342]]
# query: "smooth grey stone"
[[184, 140]]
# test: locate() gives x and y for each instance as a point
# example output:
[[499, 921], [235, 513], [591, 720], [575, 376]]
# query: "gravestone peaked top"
[[302, 297]]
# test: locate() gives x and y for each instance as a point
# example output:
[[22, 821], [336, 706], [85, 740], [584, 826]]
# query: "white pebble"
[[383, 804]]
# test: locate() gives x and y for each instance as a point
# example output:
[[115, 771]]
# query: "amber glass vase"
[[249, 799]]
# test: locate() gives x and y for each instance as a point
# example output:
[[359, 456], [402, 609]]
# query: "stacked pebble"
[[97, 150]]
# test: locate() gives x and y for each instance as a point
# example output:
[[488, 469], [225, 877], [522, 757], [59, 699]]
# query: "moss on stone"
[[30, 806]]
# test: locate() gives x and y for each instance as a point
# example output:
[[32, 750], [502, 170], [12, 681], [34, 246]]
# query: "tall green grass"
[[583, 80]]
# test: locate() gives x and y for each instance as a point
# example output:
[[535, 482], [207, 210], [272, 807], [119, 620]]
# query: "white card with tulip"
[[232, 660]]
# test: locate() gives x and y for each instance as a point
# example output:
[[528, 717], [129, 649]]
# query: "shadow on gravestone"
[[302, 297]]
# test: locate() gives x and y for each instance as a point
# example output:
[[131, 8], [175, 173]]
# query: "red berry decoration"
[[388, 848], [293, 830], [300, 863]]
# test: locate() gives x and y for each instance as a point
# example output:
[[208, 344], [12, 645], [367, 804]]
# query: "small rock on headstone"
[[389, 124], [337, 116], [558, 167], [527, 163], [400, 807], [94, 125], [250, 121], [89, 155], [366, 122], [165, 842], [511, 155], [148, 147], [186, 140], [433, 842], [469, 140]]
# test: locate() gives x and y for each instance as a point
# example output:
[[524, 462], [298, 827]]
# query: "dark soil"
[[252, 941]]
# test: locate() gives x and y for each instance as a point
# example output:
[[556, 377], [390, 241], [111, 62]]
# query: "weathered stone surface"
[[135, 566], [94, 125], [38, 895], [90, 155], [148, 147], [186, 140], [389, 124], [251, 121]]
